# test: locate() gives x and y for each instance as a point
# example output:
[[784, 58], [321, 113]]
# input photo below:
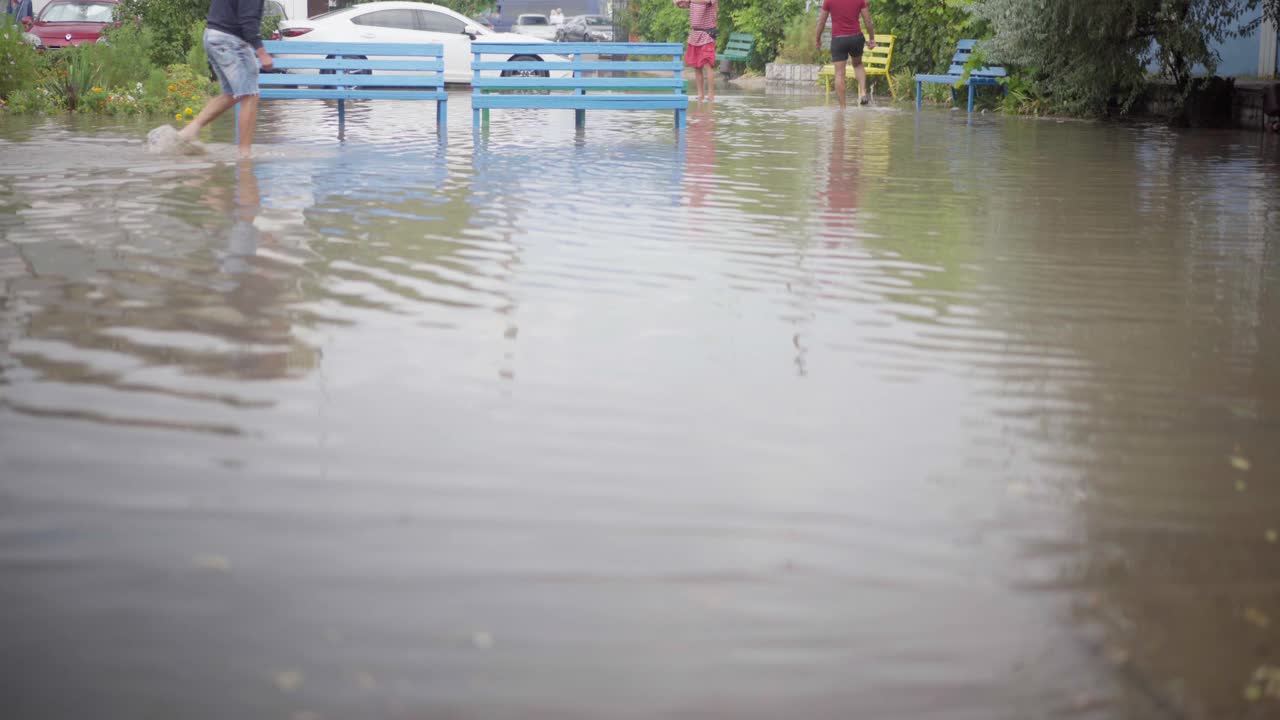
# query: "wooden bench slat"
[[291, 63], [601, 48], [582, 65], [273, 79], [352, 94], [583, 102], [534, 83], [302, 47]]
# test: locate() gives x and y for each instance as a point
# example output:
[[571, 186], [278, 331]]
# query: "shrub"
[[19, 62], [797, 42], [197, 57], [38, 99], [170, 23], [125, 56]]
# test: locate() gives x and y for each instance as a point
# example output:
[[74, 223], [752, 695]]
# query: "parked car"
[[70, 22], [534, 25], [585, 28], [401, 21]]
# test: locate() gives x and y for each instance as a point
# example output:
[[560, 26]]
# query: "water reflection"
[[805, 412]]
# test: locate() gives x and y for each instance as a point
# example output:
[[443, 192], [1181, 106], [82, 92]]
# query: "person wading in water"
[[847, 41]]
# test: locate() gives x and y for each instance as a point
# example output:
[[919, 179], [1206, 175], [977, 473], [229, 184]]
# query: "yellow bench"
[[877, 62]]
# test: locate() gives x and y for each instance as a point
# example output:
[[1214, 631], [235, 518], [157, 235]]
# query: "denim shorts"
[[233, 61]]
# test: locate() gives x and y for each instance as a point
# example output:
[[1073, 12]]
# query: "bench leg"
[[442, 114], [972, 89], [919, 97], [680, 119], [475, 117], [579, 118], [342, 118]]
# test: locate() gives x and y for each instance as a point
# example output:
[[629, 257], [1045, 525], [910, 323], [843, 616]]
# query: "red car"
[[71, 22]]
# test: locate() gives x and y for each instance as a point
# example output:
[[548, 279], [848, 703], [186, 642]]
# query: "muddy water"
[[883, 416]]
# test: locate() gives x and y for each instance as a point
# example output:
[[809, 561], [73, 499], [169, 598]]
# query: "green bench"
[[739, 48]]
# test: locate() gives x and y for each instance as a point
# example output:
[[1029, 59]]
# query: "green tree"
[[926, 31], [1088, 56]]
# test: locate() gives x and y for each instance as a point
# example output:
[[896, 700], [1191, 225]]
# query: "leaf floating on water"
[[1271, 535], [288, 680], [1241, 486], [1240, 463], [1253, 693], [366, 681], [212, 562], [1254, 616], [482, 640]]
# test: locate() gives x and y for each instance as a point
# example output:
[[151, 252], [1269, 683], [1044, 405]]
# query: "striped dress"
[[702, 15]]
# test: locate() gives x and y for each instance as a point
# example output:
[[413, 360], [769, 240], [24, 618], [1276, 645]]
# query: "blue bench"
[[356, 71], [570, 88], [955, 75]]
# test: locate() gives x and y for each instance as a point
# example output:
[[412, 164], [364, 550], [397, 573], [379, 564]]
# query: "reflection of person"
[[242, 243], [232, 38], [700, 53], [841, 193], [847, 41], [701, 155]]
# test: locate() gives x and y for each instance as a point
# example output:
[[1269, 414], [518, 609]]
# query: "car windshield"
[[532, 20], [597, 20], [77, 12]]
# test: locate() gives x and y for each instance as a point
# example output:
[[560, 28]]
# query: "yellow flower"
[[190, 111], [97, 89], [171, 88], [177, 116]]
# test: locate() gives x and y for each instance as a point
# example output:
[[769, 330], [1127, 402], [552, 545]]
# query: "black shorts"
[[847, 46]]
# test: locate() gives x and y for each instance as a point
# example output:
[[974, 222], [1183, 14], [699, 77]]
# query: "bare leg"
[[248, 120], [710, 82], [211, 111], [840, 88], [697, 78], [861, 73]]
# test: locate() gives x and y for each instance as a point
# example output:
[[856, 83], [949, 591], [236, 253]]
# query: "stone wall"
[[792, 74]]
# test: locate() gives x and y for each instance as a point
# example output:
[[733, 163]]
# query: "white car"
[[534, 25], [398, 21]]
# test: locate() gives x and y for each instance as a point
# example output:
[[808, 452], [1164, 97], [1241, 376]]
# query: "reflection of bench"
[[615, 92], [877, 62], [356, 71], [739, 47], [955, 75]]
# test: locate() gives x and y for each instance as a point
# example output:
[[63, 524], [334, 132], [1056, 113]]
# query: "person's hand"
[[818, 43], [871, 44], [264, 57]]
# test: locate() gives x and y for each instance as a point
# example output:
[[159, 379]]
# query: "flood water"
[[888, 415]]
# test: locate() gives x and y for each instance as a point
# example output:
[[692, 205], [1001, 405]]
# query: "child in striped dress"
[[701, 51]]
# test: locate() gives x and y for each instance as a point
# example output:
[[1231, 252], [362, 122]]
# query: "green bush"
[[170, 23], [125, 55], [38, 99], [798, 44], [658, 20], [766, 19], [19, 62], [197, 57]]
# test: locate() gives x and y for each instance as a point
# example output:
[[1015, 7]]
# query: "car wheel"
[[526, 73], [345, 72]]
